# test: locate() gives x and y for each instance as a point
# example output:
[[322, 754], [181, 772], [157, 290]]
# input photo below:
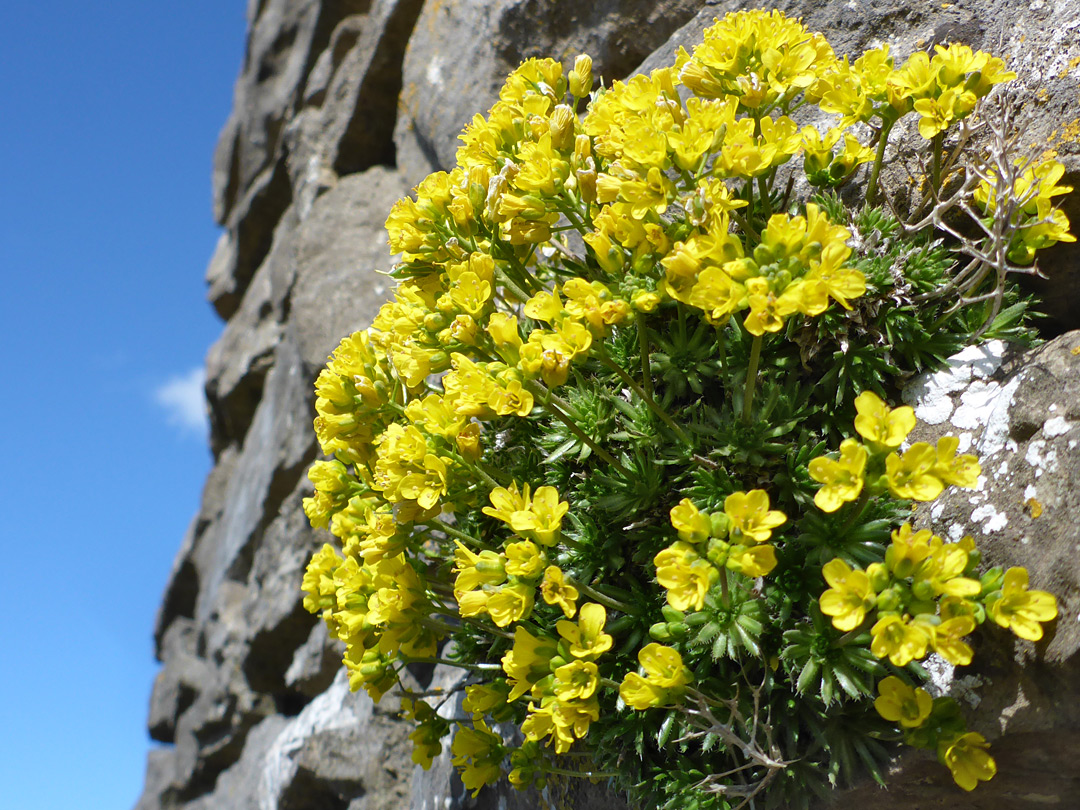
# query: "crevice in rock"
[[307, 791], [267, 199], [272, 650], [369, 137], [270, 64], [180, 596], [282, 484]]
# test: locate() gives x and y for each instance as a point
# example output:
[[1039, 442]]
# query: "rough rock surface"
[[340, 107]]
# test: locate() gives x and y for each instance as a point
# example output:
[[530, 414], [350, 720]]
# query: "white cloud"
[[184, 402]]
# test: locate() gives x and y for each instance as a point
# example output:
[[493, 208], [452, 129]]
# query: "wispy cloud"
[[184, 402]]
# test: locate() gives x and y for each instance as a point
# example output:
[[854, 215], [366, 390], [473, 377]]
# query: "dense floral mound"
[[584, 453]]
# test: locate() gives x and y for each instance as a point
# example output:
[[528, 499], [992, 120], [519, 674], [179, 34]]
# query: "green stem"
[[505, 280], [643, 348], [860, 507], [724, 586], [579, 774], [763, 191], [879, 158], [939, 139], [751, 379], [475, 667], [577, 431], [851, 635], [604, 600], [450, 531], [637, 389]]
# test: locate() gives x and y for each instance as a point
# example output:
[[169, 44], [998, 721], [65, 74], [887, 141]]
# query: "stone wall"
[[341, 106]]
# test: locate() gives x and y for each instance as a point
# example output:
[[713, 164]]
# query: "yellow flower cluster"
[[521, 270], [736, 539], [922, 598], [963, 752], [920, 473], [560, 675], [1038, 224]]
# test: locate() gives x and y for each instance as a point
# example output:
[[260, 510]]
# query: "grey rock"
[[183, 583], [238, 362], [237, 788], [341, 249], [315, 663], [251, 227], [273, 614], [178, 682], [285, 39], [221, 288], [341, 748], [461, 52], [351, 129], [277, 449]]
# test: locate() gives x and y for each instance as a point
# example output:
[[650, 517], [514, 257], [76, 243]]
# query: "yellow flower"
[[849, 596], [664, 682], [750, 517], [478, 754], [898, 639], [947, 639], [959, 471], [1020, 609], [511, 603], [843, 479], [475, 570], [909, 549], [524, 559], [527, 661], [968, 760], [587, 638], [685, 574], [911, 476], [577, 680], [557, 591], [693, 526], [880, 424], [751, 561], [899, 703]]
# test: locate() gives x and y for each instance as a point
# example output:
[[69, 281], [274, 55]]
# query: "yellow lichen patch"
[[1035, 509], [1075, 350]]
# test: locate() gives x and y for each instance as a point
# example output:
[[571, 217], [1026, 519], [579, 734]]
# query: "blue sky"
[[110, 115]]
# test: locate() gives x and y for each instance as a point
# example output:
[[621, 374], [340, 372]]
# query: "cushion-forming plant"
[[619, 447]]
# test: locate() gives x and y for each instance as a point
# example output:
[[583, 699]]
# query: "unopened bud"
[[581, 77], [562, 127]]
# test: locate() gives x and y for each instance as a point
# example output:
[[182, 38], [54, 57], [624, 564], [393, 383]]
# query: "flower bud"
[[581, 77], [562, 128]]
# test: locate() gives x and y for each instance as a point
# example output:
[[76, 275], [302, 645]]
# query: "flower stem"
[[637, 389], [939, 140], [572, 426], [751, 379], [879, 158], [579, 774], [450, 531], [643, 347], [603, 599]]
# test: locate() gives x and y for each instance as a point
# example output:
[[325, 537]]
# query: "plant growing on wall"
[[620, 446]]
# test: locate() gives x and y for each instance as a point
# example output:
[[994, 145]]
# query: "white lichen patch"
[[970, 413], [995, 435], [941, 675], [931, 394], [1056, 426], [1040, 457], [995, 521], [936, 511], [956, 532]]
